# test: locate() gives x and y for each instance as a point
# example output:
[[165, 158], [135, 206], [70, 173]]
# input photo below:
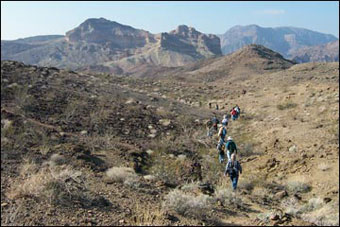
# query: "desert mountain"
[[110, 46], [328, 52], [246, 62], [281, 39]]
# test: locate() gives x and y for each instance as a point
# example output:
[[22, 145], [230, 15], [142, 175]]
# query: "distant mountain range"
[[284, 40], [110, 46], [107, 46]]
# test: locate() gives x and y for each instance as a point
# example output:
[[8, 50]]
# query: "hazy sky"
[[24, 19]]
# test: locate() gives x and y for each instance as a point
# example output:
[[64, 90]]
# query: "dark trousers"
[[234, 180]]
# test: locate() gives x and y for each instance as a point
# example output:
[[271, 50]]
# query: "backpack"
[[231, 146], [233, 171], [233, 112]]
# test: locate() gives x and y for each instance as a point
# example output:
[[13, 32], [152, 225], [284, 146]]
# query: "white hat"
[[229, 138]]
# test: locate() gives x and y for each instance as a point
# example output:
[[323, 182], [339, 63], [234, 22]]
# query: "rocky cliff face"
[[110, 33], [284, 40], [108, 44], [322, 53]]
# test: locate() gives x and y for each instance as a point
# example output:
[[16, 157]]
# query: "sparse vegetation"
[[296, 186], [186, 204], [287, 105], [122, 174], [323, 166]]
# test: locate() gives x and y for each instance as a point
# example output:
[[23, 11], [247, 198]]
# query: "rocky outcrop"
[[322, 53]]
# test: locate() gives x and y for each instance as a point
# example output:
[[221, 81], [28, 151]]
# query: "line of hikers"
[[233, 167]]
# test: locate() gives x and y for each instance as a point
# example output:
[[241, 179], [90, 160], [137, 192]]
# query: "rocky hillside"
[[328, 52], [94, 149], [247, 62], [113, 47], [284, 40]]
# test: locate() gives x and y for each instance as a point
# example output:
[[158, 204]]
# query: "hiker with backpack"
[[238, 111], [215, 122], [212, 125], [233, 114], [230, 147], [233, 168], [225, 118], [222, 133]]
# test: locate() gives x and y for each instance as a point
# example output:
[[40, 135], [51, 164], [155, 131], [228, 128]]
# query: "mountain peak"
[[184, 30], [101, 31]]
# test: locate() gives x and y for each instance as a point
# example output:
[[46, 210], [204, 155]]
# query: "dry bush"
[[57, 159], [323, 166], [122, 174], [246, 184], [171, 171], [262, 193], [190, 187], [322, 214], [187, 204], [264, 217], [295, 186], [34, 185], [146, 215], [247, 151], [56, 185], [287, 105], [227, 197], [291, 205], [316, 211]]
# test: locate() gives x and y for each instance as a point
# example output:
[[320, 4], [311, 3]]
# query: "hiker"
[[212, 125], [225, 117], [222, 134], [209, 105], [216, 106], [238, 111], [230, 147], [232, 169], [215, 122], [209, 125], [233, 114]]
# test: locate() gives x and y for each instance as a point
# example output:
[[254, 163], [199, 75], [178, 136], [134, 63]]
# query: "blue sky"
[[24, 19]]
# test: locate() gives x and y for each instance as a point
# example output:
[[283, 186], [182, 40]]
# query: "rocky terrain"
[[82, 148], [328, 52], [103, 45], [284, 40]]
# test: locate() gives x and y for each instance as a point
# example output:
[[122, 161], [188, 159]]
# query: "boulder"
[[165, 122], [280, 194]]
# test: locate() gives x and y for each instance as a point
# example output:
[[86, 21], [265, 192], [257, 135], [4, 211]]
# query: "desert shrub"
[[122, 174], [287, 105], [57, 159], [322, 214], [315, 211], [295, 186], [246, 184], [291, 205], [247, 151], [228, 198], [323, 166], [264, 217], [187, 204], [262, 193], [56, 185], [21, 97], [190, 187], [146, 216]]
